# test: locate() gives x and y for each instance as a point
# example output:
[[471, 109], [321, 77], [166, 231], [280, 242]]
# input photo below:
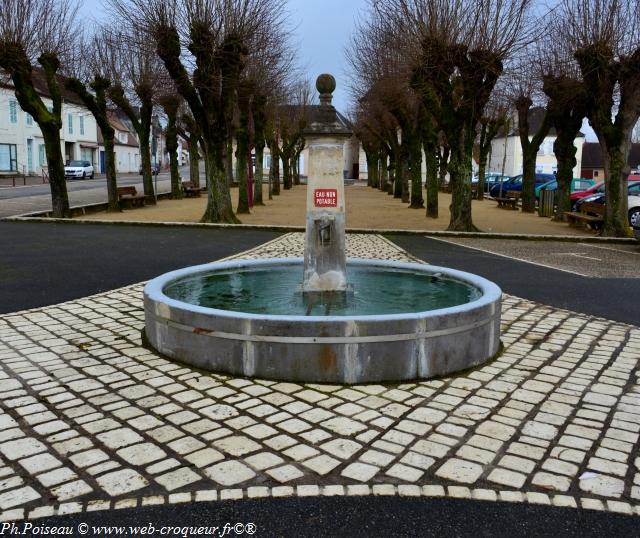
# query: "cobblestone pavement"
[[91, 420]]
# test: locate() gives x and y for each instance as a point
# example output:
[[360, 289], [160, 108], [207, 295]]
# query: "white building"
[[126, 145], [22, 148], [546, 162]]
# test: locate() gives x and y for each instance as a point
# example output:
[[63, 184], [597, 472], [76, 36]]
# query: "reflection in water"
[[274, 290]]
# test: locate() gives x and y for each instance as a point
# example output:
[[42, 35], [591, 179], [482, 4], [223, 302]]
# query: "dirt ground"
[[367, 209]]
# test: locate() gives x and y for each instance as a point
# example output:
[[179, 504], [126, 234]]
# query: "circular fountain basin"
[[401, 321]]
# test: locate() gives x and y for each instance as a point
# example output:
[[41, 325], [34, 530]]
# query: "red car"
[[597, 188]]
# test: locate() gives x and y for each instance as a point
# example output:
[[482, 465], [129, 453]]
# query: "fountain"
[[324, 318]]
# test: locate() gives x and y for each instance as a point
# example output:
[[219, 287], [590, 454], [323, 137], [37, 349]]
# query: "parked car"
[[515, 184], [633, 202], [78, 170], [578, 184], [494, 179], [155, 169], [597, 188]]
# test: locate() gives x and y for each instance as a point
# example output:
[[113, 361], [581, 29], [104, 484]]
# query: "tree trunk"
[[55, 163], [529, 178], [229, 163], [404, 183], [415, 165], [443, 160], [431, 155], [110, 162], [194, 161], [241, 167], [286, 170], [482, 170], [259, 175], [460, 171], [372, 170], [274, 173], [565, 152], [147, 177], [400, 175], [295, 165], [616, 170], [384, 172], [172, 148], [392, 170], [219, 208]]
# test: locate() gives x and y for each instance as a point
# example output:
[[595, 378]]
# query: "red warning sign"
[[325, 198]]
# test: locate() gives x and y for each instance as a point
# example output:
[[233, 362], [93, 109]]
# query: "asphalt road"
[[617, 299], [43, 264], [364, 517], [37, 198], [75, 185]]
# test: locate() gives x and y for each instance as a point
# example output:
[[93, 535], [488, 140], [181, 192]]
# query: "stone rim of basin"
[[154, 290]]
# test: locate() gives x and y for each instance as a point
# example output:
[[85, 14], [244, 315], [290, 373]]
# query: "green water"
[[275, 291]]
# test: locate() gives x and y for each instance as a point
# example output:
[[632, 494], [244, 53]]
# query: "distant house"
[[21, 143], [546, 162], [593, 162], [126, 145]]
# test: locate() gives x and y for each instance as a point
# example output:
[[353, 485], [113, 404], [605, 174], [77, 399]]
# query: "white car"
[[634, 211], [634, 204], [78, 170]]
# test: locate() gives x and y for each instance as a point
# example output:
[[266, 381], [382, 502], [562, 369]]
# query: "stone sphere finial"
[[325, 84]]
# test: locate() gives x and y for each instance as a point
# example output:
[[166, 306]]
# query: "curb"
[[339, 490], [281, 228]]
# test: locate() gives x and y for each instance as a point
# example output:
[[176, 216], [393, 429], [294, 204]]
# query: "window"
[[42, 156], [70, 122], [8, 159], [13, 111], [29, 118], [81, 125]]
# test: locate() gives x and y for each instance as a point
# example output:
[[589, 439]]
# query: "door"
[[30, 156], [103, 166]]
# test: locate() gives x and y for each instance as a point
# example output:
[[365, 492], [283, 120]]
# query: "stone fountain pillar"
[[324, 252]]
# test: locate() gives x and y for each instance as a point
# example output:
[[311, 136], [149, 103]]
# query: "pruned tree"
[[604, 37], [492, 122], [170, 103], [380, 77], [294, 119], [534, 122], [273, 123], [566, 108], [268, 68], [459, 48], [204, 45], [36, 36], [92, 79], [369, 143], [188, 129], [138, 80]]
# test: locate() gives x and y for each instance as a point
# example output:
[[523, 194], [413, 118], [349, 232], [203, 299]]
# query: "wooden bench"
[[509, 200], [590, 214], [190, 190], [129, 197]]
